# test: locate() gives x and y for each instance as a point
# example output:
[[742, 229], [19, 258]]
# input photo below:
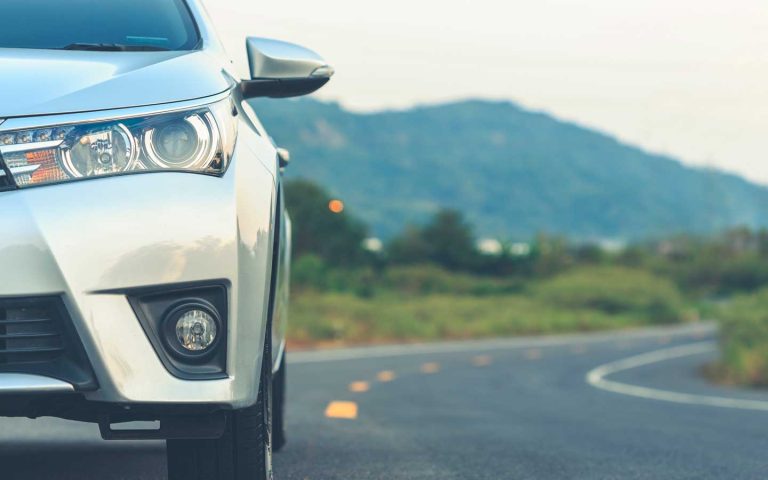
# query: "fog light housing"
[[160, 309], [191, 330]]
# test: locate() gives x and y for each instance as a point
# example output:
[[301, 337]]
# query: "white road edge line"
[[322, 356], [596, 378]]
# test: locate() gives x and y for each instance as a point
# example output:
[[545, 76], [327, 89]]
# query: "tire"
[[244, 452], [278, 409]]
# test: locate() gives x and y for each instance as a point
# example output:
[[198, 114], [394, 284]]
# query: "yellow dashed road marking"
[[533, 354], [431, 367], [386, 376], [344, 410], [359, 387], [664, 340], [482, 361]]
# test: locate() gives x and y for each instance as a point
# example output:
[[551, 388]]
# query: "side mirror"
[[281, 69]]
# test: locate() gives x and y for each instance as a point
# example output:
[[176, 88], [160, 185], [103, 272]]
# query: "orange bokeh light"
[[336, 206]]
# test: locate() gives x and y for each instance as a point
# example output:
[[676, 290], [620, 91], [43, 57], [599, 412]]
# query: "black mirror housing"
[[281, 69]]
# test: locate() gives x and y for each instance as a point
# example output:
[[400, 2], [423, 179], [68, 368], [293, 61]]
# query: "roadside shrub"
[[615, 291], [431, 279], [329, 319], [310, 271], [744, 340], [313, 273]]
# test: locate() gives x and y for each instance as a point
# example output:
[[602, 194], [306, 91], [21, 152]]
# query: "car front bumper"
[[84, 241]]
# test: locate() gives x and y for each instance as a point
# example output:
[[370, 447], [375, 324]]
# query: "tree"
[[550, 255], [335, 237], [447, 241]]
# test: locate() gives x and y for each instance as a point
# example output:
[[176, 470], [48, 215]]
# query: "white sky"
[[683, 77]]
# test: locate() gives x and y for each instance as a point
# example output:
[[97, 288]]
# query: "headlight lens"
[[199, 140], [103, 150]]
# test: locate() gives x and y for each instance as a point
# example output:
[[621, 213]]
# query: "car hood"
[[42, 82]]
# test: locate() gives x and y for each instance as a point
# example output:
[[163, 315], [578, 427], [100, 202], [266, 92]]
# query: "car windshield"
[[121, 25]]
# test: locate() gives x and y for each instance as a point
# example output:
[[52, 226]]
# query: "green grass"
[[744, 340], [429, 304], [429, 279], [615, 290]]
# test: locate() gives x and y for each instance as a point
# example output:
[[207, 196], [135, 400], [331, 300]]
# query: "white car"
[[144, 245]]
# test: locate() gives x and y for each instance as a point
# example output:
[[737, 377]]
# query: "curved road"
[[601, 406]]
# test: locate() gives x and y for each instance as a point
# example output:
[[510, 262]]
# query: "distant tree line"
[[734, 261]]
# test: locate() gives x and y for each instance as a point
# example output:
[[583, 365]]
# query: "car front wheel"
[[244, 452]]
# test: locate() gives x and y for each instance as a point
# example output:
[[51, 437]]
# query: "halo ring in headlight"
[[184, 143]]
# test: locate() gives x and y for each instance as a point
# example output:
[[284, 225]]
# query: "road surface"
[[603, 406]]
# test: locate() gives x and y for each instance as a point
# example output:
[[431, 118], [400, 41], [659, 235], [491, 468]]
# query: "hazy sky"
[[683, 77]]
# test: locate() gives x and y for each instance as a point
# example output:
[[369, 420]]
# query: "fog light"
[[196, 330], [191, 329]]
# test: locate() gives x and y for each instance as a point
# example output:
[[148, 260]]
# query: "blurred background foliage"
[[484, 218], [511, 171], [744, 338], [438, 281]]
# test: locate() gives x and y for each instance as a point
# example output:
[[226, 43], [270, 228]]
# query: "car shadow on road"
[[60, 461]]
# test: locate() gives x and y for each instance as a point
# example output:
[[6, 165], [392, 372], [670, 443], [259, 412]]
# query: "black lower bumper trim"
[[197, 427], [37, 337]]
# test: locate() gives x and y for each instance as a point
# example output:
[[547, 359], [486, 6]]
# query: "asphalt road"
[[552, 408]]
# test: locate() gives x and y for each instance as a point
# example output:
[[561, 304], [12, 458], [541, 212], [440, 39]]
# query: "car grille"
[[29, 332], [37, 337]]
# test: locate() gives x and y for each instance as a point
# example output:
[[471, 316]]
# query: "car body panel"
[[43, 82], [87, 239], [282, 289]]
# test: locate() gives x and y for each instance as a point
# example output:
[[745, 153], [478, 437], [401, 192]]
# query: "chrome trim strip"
[[28, 147], [20, 170], [26, 123], [24, 169], [20, 383]]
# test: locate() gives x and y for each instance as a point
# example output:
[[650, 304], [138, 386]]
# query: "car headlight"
[[200, 140]]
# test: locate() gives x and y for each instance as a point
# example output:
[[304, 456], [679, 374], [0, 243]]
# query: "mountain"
[[513, 172]]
